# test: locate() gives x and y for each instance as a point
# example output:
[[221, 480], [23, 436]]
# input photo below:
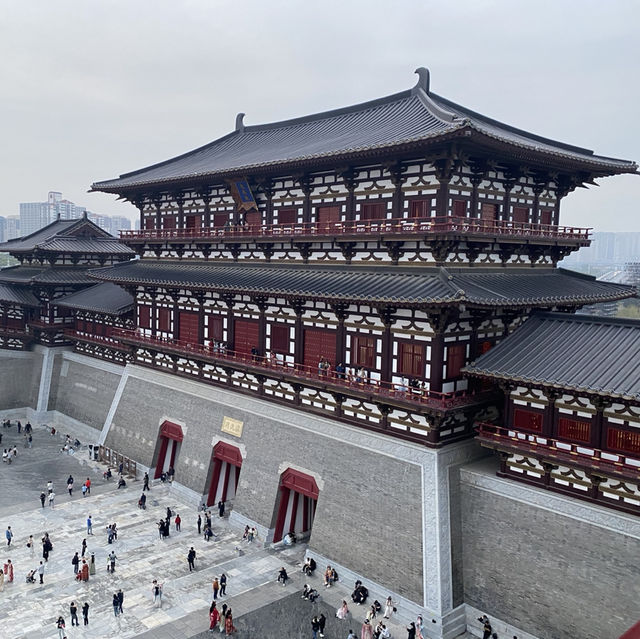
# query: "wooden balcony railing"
[[111, 342], [567, 452], [434, 226], [333, 380]]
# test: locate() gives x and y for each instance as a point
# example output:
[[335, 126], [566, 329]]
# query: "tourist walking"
[[367, 631], [49, 486], [52, 496], [322, 620], [411, 631], [41, 572], [85, 613], [92, 565], [42, 499], [282, 576], [116, 605], [146, 482], [89, 525], [83, 575], [88, 485], [229, 628], [199, 524], [120, 599], [60, 626], [75, 562], [73, 610], [223, 584], [389, 608], [8, 570], [156, 589], [9, 535], [191, 558], [214, 617], [178, 521], [84, 547], [111, 562], [221, 508], [315, 627], [31, 546]]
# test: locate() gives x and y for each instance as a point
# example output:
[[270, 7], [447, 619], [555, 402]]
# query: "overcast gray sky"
[[95, 88]]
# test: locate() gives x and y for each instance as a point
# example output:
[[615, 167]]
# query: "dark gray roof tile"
[[574, 352], [17, 295], [102, 298]]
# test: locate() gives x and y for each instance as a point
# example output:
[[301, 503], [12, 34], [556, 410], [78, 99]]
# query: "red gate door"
[[319, 343], [298, 497], [188, 327], [227, 461], [245, 336], [328, 216]]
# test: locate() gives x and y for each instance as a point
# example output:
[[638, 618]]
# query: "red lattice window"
[[577, 429], [215, 324], [420, 208], [144, 316], [520, 214], [373, 211], [545, 217], [411, 359], [287, 215], [164, 317], [459, 208], [527, 420], [623, 440], [280, 338], [363, 351], [456, 354]]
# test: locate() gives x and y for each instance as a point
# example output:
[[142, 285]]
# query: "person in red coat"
[[214, 617]]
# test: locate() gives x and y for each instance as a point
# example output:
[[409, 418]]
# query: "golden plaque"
[[232, 426]]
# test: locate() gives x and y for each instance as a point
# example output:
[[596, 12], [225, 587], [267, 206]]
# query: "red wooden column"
[[386, 314], [348, 177], [282, 513], [180, 201], [305, 186], [508, 184], [158, 203], [205, 194], [340, 311], [139, 204], [550, 420], [444, 173]]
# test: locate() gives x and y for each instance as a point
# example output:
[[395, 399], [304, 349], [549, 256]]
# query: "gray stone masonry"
[[83, 388], [19, 379], [556, 567], [369, 512]]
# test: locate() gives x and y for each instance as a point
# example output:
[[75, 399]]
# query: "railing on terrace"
[[338, 381], [47, 325], [408, 226], [550, 447], [111, 342]]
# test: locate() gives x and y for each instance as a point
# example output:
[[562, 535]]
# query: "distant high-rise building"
[[13, 227], [3, 229], [35, 215], [608, 248]]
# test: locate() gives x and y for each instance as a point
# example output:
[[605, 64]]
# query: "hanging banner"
[[242, 195]]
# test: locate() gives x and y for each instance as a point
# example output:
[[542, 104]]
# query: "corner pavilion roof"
[[575, 352], [403, 121], [428, 286], [102, 298]]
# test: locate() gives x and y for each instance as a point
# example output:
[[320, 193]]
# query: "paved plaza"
[[30, 610]]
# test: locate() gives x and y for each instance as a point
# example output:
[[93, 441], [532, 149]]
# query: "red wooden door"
[[245, 336], [488, 212], [545, 216], [520, 214], [287, 216], [319, 343], [149, 223], [188, 327], [169, 222], [193, 221], [328, 215], [252, 218]]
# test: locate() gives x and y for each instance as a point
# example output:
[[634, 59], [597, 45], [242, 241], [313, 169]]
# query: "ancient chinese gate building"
[[307, 295]]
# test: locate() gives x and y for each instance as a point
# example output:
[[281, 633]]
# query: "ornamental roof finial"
[[239, 122], [423, 79]]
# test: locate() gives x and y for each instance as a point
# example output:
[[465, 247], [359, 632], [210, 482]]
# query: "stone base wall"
[[550, 565], [83, 388], [19, 379]]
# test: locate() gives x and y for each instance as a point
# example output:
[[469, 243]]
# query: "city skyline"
[[75, 119]]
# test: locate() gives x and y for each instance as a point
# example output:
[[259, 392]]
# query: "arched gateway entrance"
[[298, 497], [170, 438], [227, 461]]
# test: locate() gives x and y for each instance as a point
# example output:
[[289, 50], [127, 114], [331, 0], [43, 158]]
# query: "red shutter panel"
[[520, 214], [460, 208], [455, 359], [363, 351], [216, 326], [245, 336], [373, 211], [419, 208], [527, 420], [279, 338], [189, 327], [164, 315], [319, 343], [623, 440], [488, 212], [574, 429], [287, 215], [220, 219], [149, 223], [411, 359], [328, 214], [545, 217], [144, 316], [169, 222]]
